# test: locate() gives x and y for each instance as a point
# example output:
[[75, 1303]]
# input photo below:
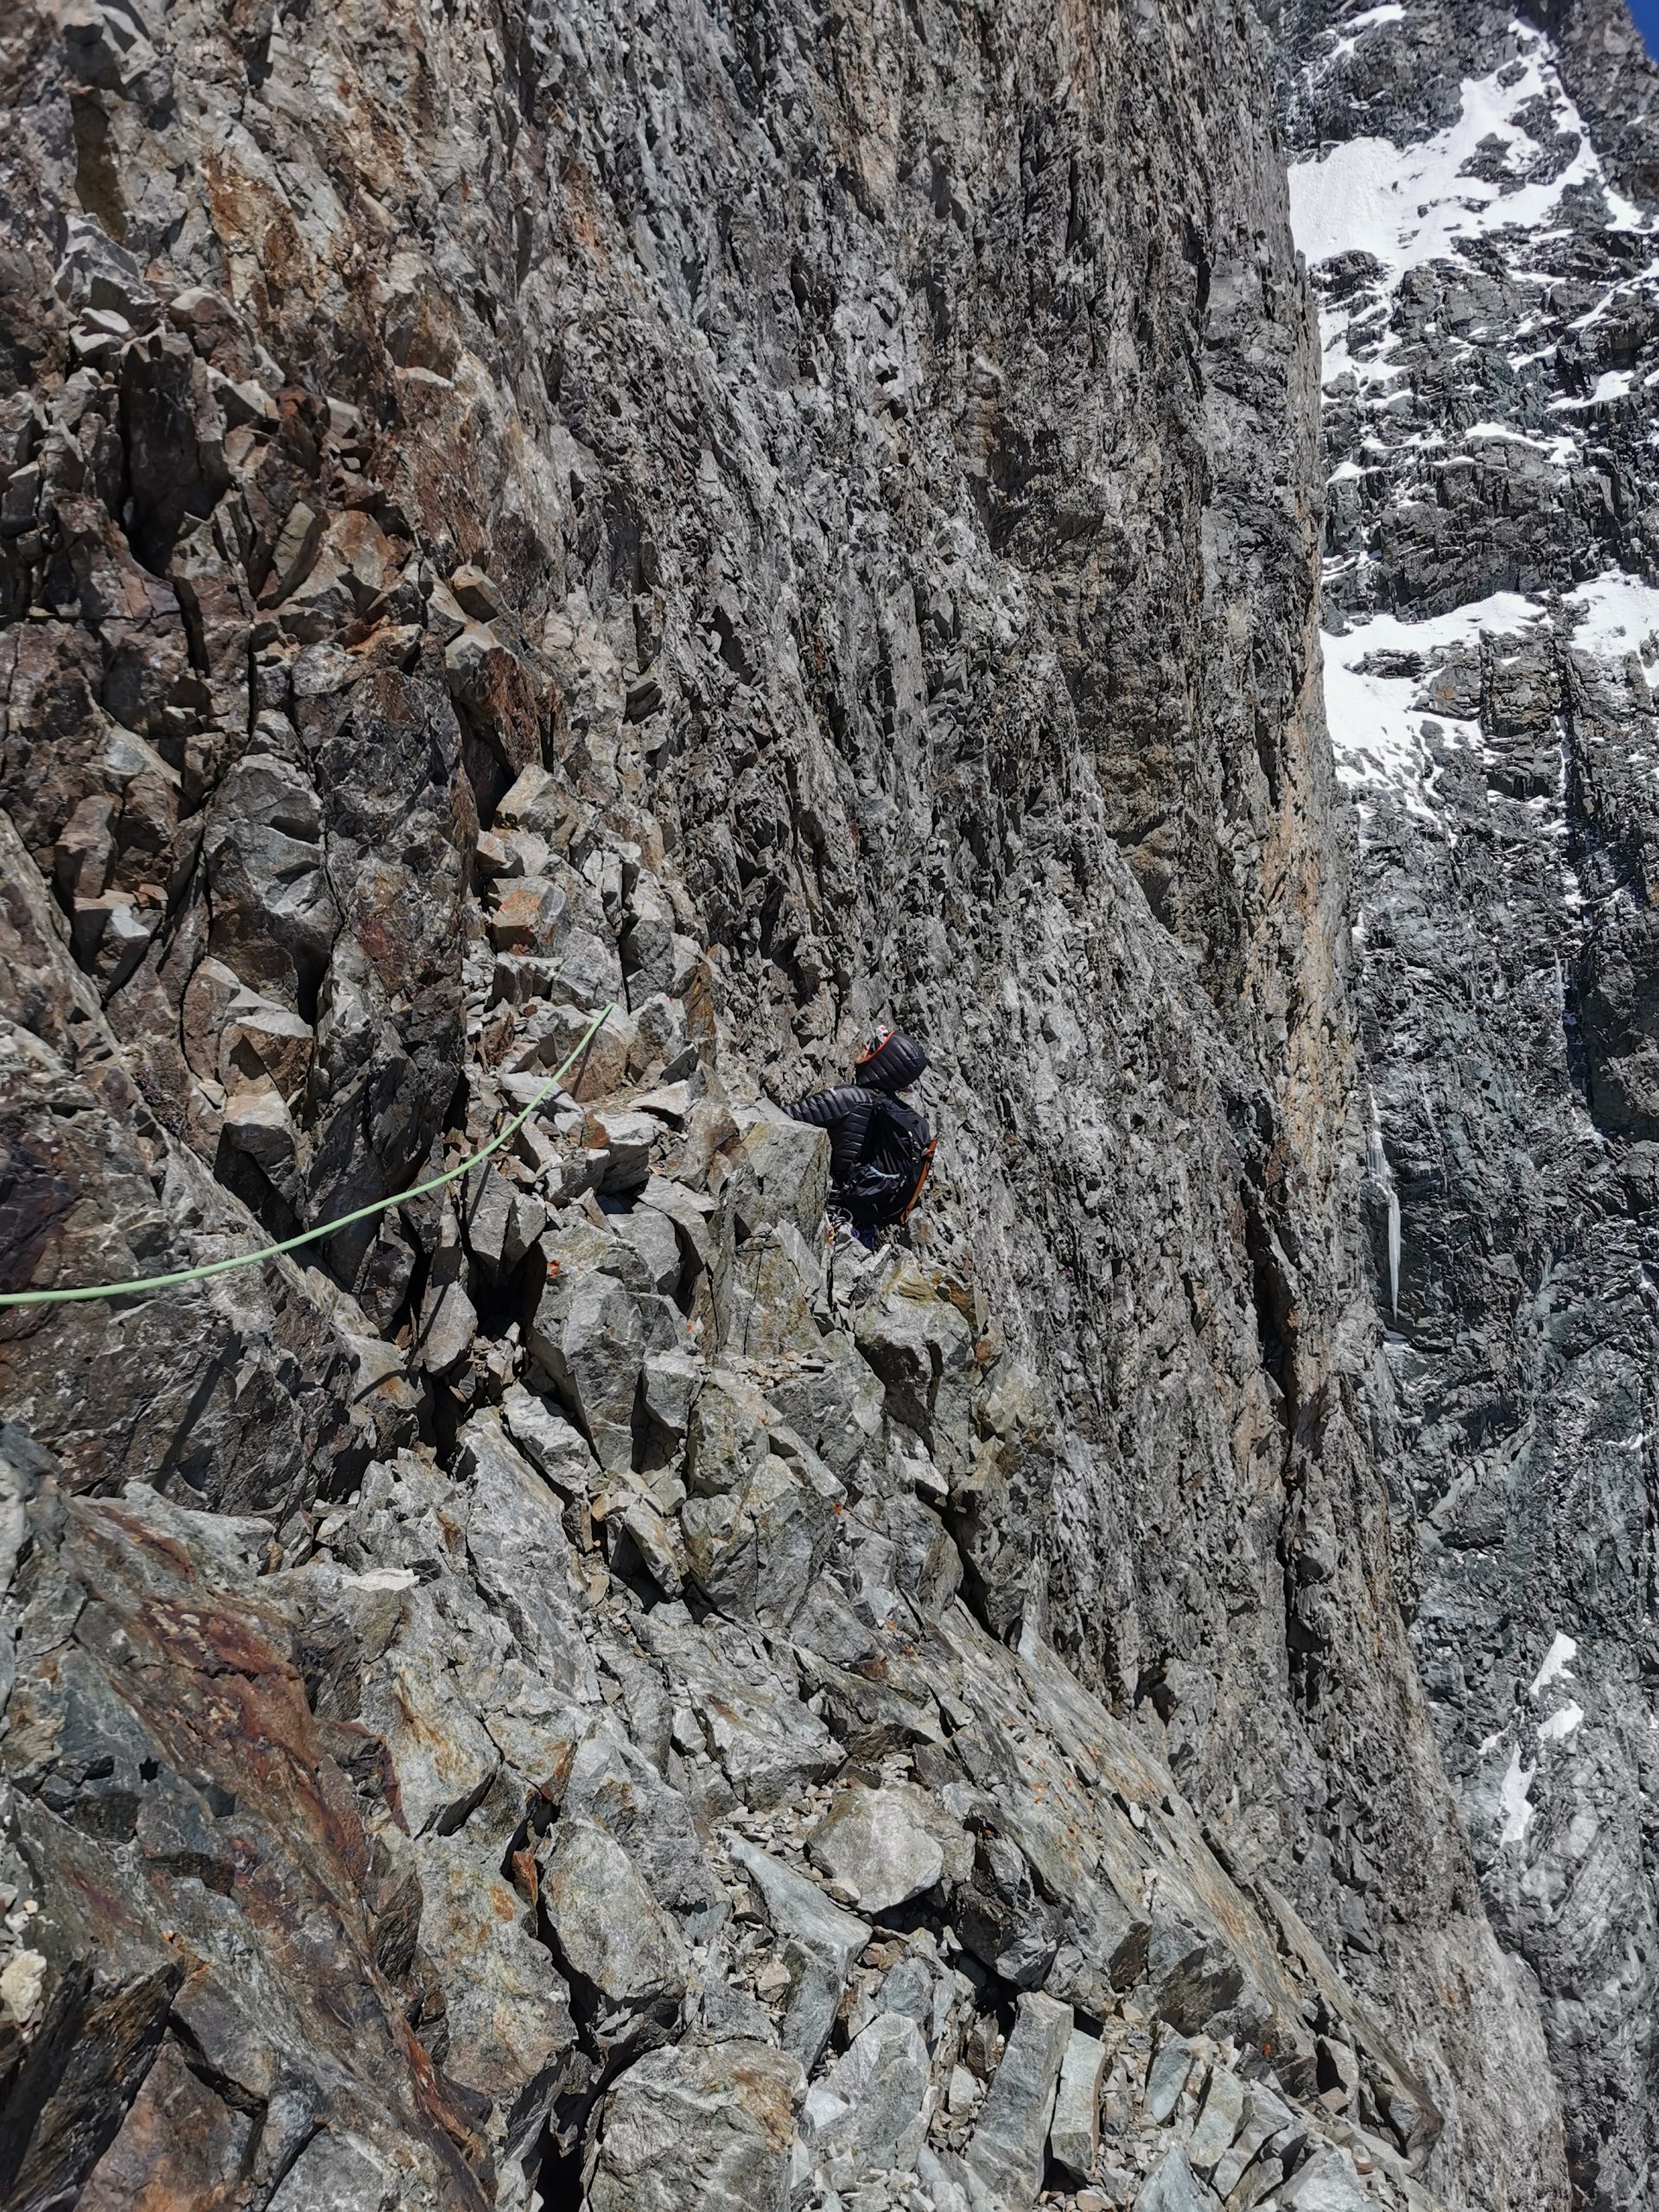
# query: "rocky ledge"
[[626, 1793]]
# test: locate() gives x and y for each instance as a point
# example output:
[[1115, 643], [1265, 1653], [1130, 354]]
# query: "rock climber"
[[881, 1149]]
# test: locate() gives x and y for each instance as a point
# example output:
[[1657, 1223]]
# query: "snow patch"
[[1352, 29], [1557, 1663], [1559, 1726], [1610, 384], [1618, 615], [1614, 295], [1409, 205], [1376, 728], [1376, 736], [1559, 452], [1513, 1802], [1378, 1167], [1376, 719], [1501, 613], [1393, 13]]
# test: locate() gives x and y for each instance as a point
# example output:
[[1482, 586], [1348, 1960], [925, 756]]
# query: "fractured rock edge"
[[415, 1652]]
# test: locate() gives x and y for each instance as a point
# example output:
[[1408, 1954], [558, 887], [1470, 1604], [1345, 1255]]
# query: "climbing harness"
[[931, 1147], [328, 1228]]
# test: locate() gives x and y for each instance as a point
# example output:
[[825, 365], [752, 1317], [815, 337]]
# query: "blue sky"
[[1646, 13]]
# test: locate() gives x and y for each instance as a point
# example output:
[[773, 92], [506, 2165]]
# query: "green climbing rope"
[[328, 1228]]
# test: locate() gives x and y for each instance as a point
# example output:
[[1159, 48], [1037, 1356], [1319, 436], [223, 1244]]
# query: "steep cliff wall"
[[774, 521], [1476, 195]]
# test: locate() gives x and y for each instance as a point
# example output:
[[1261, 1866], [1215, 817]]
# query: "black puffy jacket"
[[859, 1119], [846, 1112]]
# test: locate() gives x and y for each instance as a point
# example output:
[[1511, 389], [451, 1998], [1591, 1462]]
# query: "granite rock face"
[[1475, 197], [578, 1688]]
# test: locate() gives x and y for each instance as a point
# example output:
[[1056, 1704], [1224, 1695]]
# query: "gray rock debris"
[[1328, 2183], [1267, 2120], [1172, 2187], [1218, 2121], [819, 1943], [868, 2114], [1004, 2159], [333, 2174], [607, 1924], [1171, 2064], [508, 2014]]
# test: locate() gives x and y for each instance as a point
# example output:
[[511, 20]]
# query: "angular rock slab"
[[1004, 2160], [615, 1787], [444, 1759], [510, 2032], [1166, 2078], [788, 1173], [1218, 2122], [1074, 2132], [520, 1555], [876, 1839], [872, 2105], [609, 1926], [1172, 2187], [588, 1338], [1328, 2183], [175, 2144], [820, 1943], [755, 1554], [697, 2128], [335, 2174], [768, 1745]]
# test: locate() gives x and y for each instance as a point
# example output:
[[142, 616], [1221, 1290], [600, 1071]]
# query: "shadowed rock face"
[[1489, 428], [775, 521]]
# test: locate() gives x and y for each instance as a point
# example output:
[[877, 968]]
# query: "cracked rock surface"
[[577, 1688], [1475, 196]]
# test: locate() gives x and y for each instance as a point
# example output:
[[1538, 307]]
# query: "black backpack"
[[898, 1153]]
